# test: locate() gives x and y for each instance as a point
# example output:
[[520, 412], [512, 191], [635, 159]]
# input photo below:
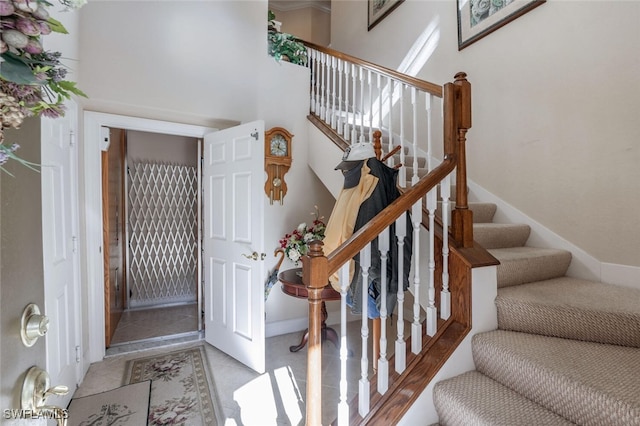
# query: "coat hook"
[[255, 135]]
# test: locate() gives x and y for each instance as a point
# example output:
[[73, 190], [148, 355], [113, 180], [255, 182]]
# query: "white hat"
[[355, 153]]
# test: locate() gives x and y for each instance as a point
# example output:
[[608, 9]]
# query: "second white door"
[[233, 242]]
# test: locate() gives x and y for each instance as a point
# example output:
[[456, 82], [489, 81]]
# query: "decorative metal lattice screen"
[[162, 233]]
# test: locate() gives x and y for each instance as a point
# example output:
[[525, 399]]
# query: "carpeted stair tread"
[[519, 265], [574, 309], [587, 383], [475, 399], [482, 212], [501, 235]]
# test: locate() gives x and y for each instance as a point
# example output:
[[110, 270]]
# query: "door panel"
[[60, 253], [233, 172], [113, 231]]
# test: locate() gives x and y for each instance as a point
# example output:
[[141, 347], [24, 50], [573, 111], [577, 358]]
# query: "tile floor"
[[140, 324], [245, 397]]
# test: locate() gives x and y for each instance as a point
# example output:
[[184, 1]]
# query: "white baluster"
[[363, 388], [323, 59], [361, 139], [354, 130], [414, 178], [390, 86], [429, 134], [312, 67], [432, 314], [340, 111], [333, 86], [343, 405], [370, 107], [318, 83], [401, 347], [416, 326], [327, 110], [402, 175], [345, 131], [383, 363], [379, 86], [445, 295]]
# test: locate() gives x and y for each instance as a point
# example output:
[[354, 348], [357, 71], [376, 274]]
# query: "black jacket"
[[385, 193]]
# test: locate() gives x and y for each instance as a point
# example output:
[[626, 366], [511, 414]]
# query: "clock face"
[[278, 146]]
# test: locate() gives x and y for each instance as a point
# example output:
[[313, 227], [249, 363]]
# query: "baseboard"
[[628, 276], [277, 328], [294, 325]]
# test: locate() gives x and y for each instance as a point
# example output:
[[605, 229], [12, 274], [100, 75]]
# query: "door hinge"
[[72, 138], [74, 244], [78, 354]]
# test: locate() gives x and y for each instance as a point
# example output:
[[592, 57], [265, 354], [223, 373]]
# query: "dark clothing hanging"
[[385, 193]]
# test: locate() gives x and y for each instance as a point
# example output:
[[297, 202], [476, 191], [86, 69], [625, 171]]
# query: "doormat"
[[125, 406], [182, 389]]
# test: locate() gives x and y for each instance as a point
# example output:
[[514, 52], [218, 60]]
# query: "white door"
[[233, 180], [60, 251]]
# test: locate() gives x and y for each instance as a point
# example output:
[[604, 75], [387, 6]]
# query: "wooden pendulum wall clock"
[[277, 161]]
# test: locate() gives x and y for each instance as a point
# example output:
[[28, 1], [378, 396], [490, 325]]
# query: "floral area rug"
[[180, 387], [124, 406]]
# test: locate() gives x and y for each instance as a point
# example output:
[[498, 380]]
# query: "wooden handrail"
[[386, 217], [426, 86], [318, 266]]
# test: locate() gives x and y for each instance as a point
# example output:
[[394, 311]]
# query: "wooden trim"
[[475, 257], [105, 248], [368, 232], [425, 86]]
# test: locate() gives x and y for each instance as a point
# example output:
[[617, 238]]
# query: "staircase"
[[567, 350]]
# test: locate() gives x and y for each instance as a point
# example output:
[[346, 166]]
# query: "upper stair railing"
[[352, 98]]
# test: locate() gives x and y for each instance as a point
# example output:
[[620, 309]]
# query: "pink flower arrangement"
[[296, 244]]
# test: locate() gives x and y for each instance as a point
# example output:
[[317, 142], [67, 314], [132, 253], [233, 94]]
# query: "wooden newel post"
[[462, 217], [315, 277]]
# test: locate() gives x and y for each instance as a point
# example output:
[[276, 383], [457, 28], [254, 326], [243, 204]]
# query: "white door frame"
[[92, 179]]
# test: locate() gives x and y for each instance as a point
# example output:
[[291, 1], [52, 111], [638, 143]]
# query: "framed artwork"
[[477, 18], [379, 9]]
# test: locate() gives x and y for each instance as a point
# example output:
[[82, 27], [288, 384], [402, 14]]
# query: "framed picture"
[[477, 18], [379, 9]]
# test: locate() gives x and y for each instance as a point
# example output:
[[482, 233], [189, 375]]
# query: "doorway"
[[150, 187]]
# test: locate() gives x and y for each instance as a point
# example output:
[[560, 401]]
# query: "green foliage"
[[283, 46]]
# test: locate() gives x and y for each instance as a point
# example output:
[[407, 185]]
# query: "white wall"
[[308, 23], [284, 102], [157, 147], [205, 63], [193, 62], [556, 94]]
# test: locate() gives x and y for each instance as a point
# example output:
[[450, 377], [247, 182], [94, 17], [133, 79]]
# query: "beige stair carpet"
[[591, 384], [519, 265], [573, 309], [475, 399]]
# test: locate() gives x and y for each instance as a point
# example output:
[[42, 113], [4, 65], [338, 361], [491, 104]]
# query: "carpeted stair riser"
[[482, 212], [475, 399], [520, 265], [501, 235], [584, 382], [573, 309]]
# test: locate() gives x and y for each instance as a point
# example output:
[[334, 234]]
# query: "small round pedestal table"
[[292, 285]]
